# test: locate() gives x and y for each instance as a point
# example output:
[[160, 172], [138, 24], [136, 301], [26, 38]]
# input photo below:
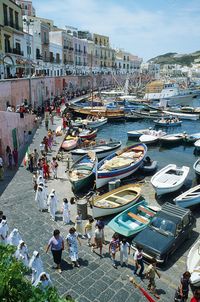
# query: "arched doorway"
[[8, 64]]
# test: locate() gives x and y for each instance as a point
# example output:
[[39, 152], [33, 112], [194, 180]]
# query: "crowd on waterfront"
[[42, 170]]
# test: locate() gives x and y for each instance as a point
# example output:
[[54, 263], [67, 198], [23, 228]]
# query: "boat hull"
[[83, 183], [69, 145], [193, 264], [160, 124]]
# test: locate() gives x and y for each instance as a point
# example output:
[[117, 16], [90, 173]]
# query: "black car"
[[168, 229]]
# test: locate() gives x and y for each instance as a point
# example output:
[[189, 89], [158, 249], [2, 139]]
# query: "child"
[[150, 274], [98, 239], [124, 251], [79, 224], [114, 247], [66, 211], [88, 230]]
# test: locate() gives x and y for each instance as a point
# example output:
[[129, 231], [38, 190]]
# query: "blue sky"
[[146, 28]]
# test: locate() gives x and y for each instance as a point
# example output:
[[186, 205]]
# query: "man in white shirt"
[[138, 259]]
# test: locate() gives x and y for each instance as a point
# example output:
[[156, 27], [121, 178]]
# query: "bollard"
[[82, 207]]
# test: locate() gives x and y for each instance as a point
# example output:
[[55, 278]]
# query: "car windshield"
[[164, 226]]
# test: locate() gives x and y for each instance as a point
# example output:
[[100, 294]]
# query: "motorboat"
[[87, 134], [135, 134], [193, 264], [169, 179], [183, 116], [69, 143], [101, 149], [90, 123], [189, 198], [120, 164], [172, 139], [116, 200], [151, 137], [167, 122], [196, 166]]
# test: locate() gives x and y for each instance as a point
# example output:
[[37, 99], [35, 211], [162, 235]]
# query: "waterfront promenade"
[[96, 280]]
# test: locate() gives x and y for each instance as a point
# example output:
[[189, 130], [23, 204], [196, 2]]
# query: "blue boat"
[[132, 220], [167, 123], [120, 164]]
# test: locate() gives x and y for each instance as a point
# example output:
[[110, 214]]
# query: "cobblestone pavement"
[[96, 280]]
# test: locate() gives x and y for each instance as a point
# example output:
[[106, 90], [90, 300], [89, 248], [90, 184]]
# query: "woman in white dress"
[[22, 253], [36, 266], [52, 204], [14, 237], [43, 281], [66, 211], [72, 243], [40, 199]]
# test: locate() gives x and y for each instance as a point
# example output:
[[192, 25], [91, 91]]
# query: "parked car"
[[169, 228]]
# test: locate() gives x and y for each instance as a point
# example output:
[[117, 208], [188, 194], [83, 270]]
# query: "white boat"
[[197, 144], [172, 138], [137, 133], [102, 150], [152, 137], [193, 264], [196, 166], [183, 116], [189, 198], [116, 201], [96, 123], [169, 179]]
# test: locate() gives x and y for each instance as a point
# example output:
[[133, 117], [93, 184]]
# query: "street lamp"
[[28, 23]]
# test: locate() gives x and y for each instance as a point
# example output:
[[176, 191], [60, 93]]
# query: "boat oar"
[[143, 291]]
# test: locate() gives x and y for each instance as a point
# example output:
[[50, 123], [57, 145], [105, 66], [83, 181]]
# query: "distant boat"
[[69, 143], [132, 220], [120, 164], [183, 116], [101, 149], [87, 134], [116, 201], [169, 179], [196, 166], [92, 124], [151, 137], [170, 139], [135, 134], [193, 264], [82, 172], [197, 144], [148, 114], [189, 198], [167, 123], [191, 138]]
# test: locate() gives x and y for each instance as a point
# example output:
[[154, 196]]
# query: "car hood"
[[150, 239]]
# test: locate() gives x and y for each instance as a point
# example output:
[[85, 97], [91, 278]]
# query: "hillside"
[[175, 58]]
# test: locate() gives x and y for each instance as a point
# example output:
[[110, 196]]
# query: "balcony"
[[46, 59], [71, 48], [58, 61], [68, 62], [78, 64], [13, 25]]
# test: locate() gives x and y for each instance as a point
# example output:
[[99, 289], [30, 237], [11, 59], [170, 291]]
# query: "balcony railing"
[[71, 48], [39, 57], [46, 59]]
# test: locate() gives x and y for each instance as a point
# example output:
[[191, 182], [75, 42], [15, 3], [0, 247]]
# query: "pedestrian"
[[72, 242], [30, 162], [79, 225], [36, 266], [1, 169], [52, 204], [15, 157], [66, 211], [98, 239], [10, 160], [114, 247], [3, 230], [88, 230], [45, 141], [196, 296], [45, 168], [181, 294], [14, 237], [54, 167], [35, 158], [46, 123], [40, 177], [124, 251], [43, 281], [151, 274], [138, 260], [42, 148], [51, 118], [56, 243], [22, 253], [40, 198]]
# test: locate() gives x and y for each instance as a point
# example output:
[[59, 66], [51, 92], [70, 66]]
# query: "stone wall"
[[15, 91]]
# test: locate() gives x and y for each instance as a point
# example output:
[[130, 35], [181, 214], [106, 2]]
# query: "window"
[[16, 20], [28, 50], [5, 14], [84, 49], [7, 43], [124, 65], [11, 17]]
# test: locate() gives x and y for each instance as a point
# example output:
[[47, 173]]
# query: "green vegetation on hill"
[[174, 58]]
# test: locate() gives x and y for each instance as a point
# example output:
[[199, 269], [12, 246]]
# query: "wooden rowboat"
[[132, 220], [116, 201], [189, 198]]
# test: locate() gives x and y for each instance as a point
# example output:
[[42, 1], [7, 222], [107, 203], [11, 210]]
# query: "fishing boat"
[[135, 134], [152, 114], [116, 201], [189, 198], [193, 264], [82, 172], [101, 111], [101, 149], [169, 179], [120, 164], [92, 124], [196, 166], [87, 134], [151, 137], [167, 123], [197, 145], [172, 139], [132, 220], [183, 116], [69, 143]]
